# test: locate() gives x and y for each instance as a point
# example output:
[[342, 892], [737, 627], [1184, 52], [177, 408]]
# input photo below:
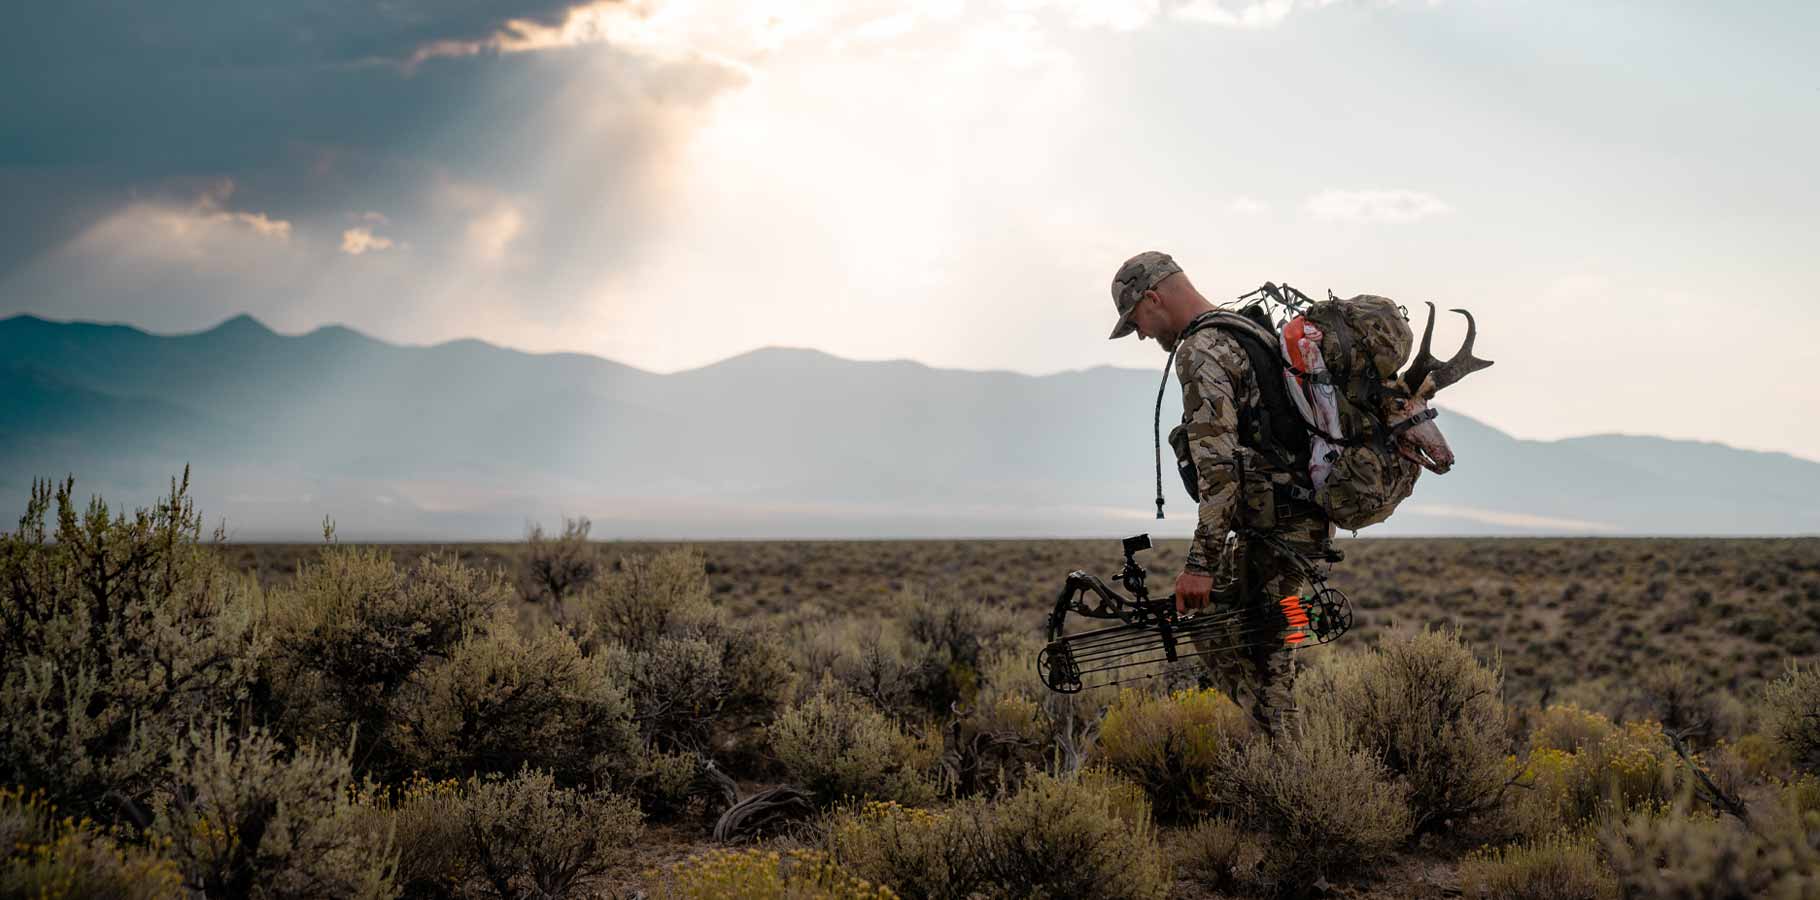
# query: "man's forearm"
[[1215, 518]]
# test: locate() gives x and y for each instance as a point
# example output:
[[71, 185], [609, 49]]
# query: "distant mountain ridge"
[[467, 440]]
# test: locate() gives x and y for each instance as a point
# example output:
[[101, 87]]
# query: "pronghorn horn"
[[1443, 374]]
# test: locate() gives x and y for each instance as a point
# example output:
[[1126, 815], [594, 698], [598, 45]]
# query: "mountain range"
[[470, 441]]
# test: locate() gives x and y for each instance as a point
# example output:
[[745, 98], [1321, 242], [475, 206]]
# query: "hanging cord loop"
[[1156, 429]]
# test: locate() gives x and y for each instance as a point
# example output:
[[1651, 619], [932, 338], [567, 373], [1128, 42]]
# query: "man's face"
[[1152, 322]]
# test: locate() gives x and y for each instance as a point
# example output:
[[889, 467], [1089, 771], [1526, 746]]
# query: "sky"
[[1620, 192]]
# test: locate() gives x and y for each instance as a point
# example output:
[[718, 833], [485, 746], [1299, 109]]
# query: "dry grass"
[[1630, 631], [1572, 619]]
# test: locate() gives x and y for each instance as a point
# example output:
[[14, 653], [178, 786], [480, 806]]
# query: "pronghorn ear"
[[1429, 386]]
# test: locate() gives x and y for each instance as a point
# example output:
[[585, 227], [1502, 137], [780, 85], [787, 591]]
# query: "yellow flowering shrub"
[[51, 857], [428, 822], [1614, 770]]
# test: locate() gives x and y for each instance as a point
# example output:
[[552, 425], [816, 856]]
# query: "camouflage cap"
[[1139, 274]]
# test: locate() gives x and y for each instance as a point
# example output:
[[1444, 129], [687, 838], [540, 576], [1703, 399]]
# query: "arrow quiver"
[[1149, 638]]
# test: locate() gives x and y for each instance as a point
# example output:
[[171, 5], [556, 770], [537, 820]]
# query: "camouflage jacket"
[[1218, 382]]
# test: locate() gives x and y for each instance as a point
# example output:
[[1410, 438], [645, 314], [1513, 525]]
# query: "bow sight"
[[1150, 634]]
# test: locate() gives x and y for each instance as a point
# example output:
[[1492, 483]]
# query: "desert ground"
[[1569, 619], [563, 717], [1678, 635]]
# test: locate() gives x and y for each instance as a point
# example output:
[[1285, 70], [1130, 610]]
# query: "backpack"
[[1320, 419], [1363, 342]]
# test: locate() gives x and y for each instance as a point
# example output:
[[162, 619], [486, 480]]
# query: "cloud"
[[356, 241], [1248, 206], [1237, 13], [1131, 15], [491, 234], [1513, 520], [200, 230], [1391, 207]]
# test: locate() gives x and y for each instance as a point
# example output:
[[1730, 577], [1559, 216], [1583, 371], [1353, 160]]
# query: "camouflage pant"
[[1246, 657]]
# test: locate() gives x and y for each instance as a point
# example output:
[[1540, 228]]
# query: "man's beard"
[[1167, 342]]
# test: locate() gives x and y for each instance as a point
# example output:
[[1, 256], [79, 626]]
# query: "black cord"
[[1156, 429]]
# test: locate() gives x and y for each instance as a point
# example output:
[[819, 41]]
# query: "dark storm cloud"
[[199, 83], [317, 113]]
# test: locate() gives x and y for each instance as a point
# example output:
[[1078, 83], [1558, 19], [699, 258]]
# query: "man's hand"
[[1191, 590]]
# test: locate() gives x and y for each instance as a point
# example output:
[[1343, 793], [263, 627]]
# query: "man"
[[1246, 490]]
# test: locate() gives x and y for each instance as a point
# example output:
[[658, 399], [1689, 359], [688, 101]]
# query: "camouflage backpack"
[[1364, 342]]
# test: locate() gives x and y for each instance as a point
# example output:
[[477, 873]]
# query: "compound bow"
[[1151, 631]]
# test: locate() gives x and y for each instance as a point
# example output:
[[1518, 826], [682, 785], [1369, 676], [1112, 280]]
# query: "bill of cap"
[[1125, 326]]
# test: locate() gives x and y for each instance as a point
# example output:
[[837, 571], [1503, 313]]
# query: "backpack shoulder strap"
[[1281, 430]]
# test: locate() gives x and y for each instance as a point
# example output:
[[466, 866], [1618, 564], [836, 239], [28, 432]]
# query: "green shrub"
[[1329, 807], [992, 744], [948, 640], [1557, 867], [1007, 730], [243, 821], [1222, 856], [920, 854], [837, 746], [46, 855], [1675, 694], [118, 633], [427, 822], [1431, 711], [645, 598], [917, 667], [702, 688], [1176, 746], [667, 783], [1567, 727], [1792, 715], [530, 838], [760, 875], [503, 702], [1068, 839], [1053, 838], [696, 676], [1026, 725], [555, 568], [508, 837], [352, 631], [1761, 755], [1678, 855]]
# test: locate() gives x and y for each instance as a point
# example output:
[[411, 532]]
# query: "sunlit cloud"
[[1237, 13], [356, 241], [196, 230], [1394, 207], [1118, 15], [739, 35], [491, 235]]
